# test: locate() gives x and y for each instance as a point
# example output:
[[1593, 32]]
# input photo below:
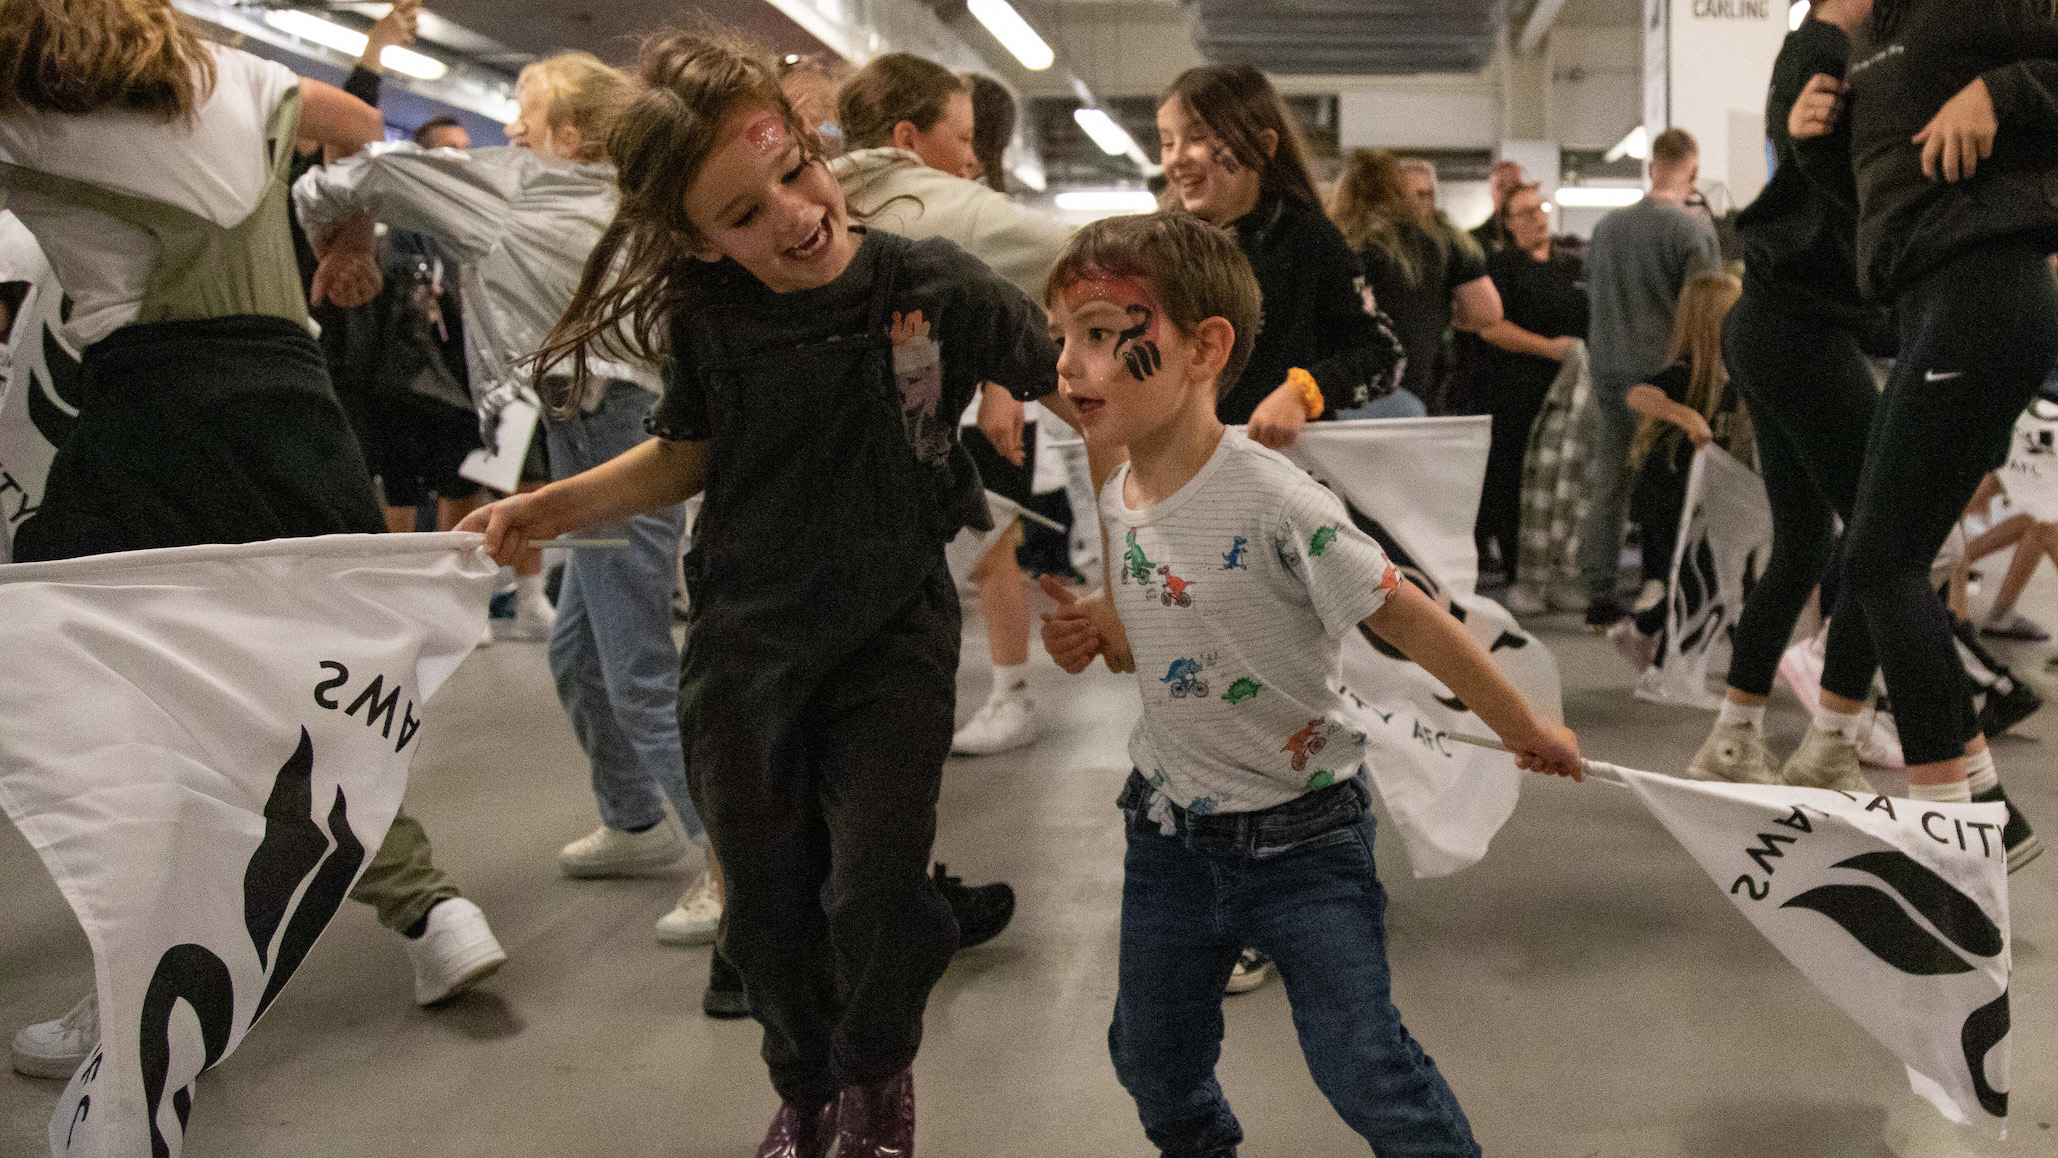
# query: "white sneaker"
[[486, 637], [1632, 644], [1650, 686], [1826, 760], [611, 852], [1734, 753], [1522, 599], [456, 952], [697, 917], [56, 1049], [1252, 970], [534, 620], [1002, 725]]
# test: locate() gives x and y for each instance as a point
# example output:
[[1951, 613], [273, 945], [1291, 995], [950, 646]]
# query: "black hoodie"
[[1906, 62], [1800, 235]]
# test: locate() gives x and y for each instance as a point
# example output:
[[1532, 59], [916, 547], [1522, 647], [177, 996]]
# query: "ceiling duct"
[[1350, 37]]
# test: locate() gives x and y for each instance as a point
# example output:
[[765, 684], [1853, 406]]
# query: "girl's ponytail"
[[645, 270], [1697, 343]]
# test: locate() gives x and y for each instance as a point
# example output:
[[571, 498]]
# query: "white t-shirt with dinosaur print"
[[1235, 593]]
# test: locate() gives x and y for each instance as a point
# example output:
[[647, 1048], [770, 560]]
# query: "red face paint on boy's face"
[[1113, 338], [1136, 343]]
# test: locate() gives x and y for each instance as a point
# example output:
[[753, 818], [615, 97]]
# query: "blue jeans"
[[616, 667], [1402, 403], [1295, 882], [1607, 488]]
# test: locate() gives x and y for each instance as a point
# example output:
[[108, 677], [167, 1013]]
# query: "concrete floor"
[[1587, 990]]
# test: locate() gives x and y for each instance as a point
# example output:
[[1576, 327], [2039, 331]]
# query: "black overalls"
[[816, 697]]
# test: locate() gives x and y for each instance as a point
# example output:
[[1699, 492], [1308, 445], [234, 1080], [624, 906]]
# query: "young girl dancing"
[[816, 374], [1685, 407], [1247, 822]]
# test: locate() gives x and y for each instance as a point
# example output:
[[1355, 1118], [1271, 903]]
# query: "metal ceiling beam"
[[1539, 23]]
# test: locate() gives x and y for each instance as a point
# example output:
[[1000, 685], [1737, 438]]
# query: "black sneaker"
[[2022, 844], [2004, 710], [1605, 612], [982, 911], [724, 999], [1218, 1152]]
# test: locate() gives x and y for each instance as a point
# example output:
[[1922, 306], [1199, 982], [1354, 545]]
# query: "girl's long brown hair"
[[890, 89], [1238, 104], [82, 56], [1697, 342], [644, 272]]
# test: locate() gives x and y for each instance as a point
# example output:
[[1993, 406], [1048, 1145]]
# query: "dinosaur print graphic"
[[1233, 560], [1307, 742], [1203, 806], [1243, 689], [1182, 679], [1176, 594], [1321, 780], [1136, 566], [1391, 580], [1320, 540]]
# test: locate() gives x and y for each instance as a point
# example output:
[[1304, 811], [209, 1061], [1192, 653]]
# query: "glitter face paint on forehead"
[[768, 133]]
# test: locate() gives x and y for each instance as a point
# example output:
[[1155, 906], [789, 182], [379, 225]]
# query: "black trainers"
[[2022, 844], [2004, 710], [982, 911], [1218, 1152], [724, 999], [1605, 612]]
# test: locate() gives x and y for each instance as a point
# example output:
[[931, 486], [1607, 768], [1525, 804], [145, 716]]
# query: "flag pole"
[[579, 544], [1595, 769]]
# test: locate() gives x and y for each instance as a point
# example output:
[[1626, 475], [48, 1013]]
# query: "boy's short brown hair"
[[1195, 269]]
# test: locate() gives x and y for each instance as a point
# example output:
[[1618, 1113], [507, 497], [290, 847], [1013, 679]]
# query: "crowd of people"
[[716, 301]]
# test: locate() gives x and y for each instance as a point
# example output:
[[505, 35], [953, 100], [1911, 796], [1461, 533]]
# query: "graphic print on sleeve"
[[1232, 560], [1320, 540], [918, 371]]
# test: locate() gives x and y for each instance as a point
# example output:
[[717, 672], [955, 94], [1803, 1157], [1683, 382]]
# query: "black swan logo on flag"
[[64, 371], [295, 849], [1873, 918]]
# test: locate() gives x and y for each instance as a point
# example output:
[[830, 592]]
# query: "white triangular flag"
[[1414, 485], [1725, 540], [206, 745], [39, 377], [1896, 909]]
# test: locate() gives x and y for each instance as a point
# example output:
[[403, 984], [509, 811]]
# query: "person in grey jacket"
[[912, 171], [520, 220], [1640, 259]]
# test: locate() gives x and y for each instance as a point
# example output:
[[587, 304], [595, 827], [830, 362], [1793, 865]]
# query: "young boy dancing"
[[1247, 823]]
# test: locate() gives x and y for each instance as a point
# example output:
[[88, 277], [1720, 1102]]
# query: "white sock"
[[1829, 719], [1959, 793], [1980, 775], [1736, 713], [1009, 682]]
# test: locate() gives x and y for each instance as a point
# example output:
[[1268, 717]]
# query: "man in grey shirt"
[[1640, 259]]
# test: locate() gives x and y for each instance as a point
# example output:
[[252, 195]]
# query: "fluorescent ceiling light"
[[1797, 16], [1637, 144], [1112, 138], [351, 42], [1599, 196], [1013, 32], [1108, 201]]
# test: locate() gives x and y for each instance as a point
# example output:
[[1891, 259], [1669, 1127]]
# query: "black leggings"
[[1811, 400], [1979, 335]]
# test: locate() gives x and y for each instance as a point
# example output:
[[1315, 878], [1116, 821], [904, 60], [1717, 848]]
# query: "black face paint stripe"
[[1142, 357]]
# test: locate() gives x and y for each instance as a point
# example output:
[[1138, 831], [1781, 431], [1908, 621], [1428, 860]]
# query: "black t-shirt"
[[959, 324], [1420, 311], [1319, 313], [1800, 238], [1547, 298], [1674, 448]]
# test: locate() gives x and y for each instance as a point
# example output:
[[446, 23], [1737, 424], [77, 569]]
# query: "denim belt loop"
[[1243, 833]]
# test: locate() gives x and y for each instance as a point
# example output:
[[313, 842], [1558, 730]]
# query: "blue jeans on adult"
[[1295, 882], [1613, 427], [612, 655]]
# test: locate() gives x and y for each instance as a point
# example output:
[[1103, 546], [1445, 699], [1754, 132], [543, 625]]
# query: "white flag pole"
[[1595, 769]]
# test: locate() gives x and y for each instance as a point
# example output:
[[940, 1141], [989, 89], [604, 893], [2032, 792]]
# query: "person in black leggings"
[[1955, 218], [1793, 345]]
